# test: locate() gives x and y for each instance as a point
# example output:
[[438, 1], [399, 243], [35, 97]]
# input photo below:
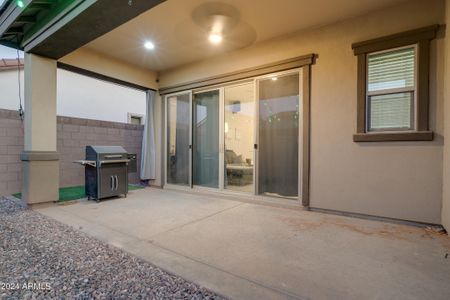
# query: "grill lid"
[[101, 153]]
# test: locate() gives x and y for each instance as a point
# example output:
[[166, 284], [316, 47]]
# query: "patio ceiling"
[[54, 28], [179, 31]]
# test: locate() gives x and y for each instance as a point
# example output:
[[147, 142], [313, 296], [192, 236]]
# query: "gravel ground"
[[41, 258]]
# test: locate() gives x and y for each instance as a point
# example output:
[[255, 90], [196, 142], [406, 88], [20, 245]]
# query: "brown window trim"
[[393, 136], [420, 37]]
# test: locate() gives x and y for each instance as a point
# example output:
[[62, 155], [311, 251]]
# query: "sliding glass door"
[[205, 134], [278, 132], [243, 137], [239, 121], [178, 139]]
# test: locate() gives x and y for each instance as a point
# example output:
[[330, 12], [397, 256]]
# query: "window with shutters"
[[393, 87]]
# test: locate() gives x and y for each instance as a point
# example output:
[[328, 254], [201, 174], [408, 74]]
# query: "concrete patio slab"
[[249, 251]]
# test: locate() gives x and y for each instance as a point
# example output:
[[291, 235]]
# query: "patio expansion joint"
[[197, 220], [196, 260], [256, 282]]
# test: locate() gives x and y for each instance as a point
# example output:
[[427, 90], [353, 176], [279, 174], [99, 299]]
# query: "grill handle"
[[113, 156], [117, 182], [114, 161]]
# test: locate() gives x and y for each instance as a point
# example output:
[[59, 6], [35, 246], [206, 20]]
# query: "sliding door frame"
[[165, 140], [301, 141], [220, 146], [231, 85], [304, 72]]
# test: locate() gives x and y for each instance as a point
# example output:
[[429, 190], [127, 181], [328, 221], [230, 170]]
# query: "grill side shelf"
[[83, 162]]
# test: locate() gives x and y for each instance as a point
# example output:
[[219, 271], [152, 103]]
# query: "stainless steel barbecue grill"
[[106, 171]]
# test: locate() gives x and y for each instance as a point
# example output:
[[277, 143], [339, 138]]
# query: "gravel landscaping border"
[[41, 258]]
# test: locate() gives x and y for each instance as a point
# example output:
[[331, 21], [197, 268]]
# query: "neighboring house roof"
[[10, 64]]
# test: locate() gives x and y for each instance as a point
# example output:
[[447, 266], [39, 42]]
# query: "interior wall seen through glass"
[[239, 136]]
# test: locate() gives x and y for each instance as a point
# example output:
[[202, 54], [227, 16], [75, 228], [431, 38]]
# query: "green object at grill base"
[[76, 192]]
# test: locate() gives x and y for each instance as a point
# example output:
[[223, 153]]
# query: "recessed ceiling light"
[[274, 78], [149, 45], [215, 38]]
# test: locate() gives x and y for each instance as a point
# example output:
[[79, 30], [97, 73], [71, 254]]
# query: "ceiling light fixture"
[[149, 45], [215, 38], [274, 78]]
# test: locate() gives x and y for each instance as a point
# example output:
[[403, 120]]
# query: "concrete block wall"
[[73, 135], [11, 145]]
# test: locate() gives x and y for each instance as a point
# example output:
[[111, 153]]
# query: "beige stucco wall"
[[40, 101], [395, 179], [100, 63], [446, 190]]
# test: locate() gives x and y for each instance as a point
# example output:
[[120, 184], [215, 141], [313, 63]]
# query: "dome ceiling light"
[[213, 28], [216, 19], [215, 38], [149, 45]]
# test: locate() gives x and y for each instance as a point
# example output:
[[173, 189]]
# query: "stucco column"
[[40, 159], [446, 176]]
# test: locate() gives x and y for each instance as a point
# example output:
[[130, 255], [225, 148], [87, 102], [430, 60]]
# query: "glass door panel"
[[205, 134], [278, 135], [239, 134], [178, 137]]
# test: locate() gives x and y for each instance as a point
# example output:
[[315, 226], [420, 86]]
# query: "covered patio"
[[245, 250], [291, 150], [227, 112]]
